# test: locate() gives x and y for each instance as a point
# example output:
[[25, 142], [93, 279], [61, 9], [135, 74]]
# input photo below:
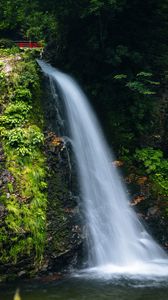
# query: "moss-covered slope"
[[40, 228], [22, 163]]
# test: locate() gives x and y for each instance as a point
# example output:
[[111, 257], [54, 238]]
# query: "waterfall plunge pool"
[[92, 288]]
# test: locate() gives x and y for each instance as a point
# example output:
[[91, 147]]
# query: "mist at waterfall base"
[[118, 242]]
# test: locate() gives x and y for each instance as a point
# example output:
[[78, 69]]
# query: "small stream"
[[77, 288]]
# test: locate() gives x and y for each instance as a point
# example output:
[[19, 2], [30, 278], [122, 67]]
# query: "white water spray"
[[119, 242]]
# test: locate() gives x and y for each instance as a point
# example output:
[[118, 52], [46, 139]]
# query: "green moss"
[[24, 195]]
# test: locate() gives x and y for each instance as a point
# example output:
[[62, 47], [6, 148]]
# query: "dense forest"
[[118, 51]]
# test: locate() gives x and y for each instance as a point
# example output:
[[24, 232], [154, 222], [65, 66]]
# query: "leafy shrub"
[[6, 43], [35, 135], [17, 107], [1, 64], [22, 94], [151, 158], [2, 75], [157, 168], [28, 77], [9, 51], [24, 140], [141, 84], [15, 114]]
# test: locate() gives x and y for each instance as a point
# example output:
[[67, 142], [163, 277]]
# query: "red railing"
[[28, 44]]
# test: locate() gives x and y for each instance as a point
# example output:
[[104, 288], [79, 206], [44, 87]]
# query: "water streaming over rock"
[[119, 242]]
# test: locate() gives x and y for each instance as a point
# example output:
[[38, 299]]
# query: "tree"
[[25, 19]]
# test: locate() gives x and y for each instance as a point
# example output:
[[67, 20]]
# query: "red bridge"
[[28, 44]]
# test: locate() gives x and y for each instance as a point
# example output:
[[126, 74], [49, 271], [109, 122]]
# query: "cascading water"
[[119, 241]]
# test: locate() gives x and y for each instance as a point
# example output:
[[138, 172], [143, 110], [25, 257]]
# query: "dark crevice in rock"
[[64, 245]]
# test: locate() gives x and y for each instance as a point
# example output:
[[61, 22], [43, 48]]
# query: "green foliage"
[[157, 168], [140, 94], [22, 246], [1, 64], [6, 43], [9, 51], [28, 78], [16, 108], [24, 196], [137, 59], [22, 94], [120, 76], [15, 114], [27, 217], [24, 140], [27, 17], [2, 76], [150, 157], [139, 87], [143, 84], [37, 24], [86, 38]]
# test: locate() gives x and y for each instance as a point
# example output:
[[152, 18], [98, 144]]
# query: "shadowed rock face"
[[148, 207], [64, 229], [65, 232]]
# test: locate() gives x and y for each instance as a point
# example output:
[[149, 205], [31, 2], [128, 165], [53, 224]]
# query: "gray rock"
[[152, 211], [21, 273]]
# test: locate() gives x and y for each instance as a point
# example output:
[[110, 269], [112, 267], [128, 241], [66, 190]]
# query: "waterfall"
[[116, 236]]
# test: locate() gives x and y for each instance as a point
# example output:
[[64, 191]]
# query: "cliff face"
[[23, 169], [41, 228], [150, 208], [64, 248], [39, 217]]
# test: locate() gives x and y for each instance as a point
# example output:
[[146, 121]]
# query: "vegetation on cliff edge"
[[23, 196]]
